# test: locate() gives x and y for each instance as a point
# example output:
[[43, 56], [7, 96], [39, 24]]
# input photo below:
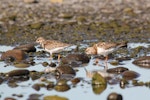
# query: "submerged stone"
[[16, 54], [55, 97]]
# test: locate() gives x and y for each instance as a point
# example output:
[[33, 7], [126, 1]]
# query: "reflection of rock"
[[99, 83], [117, 70], [16, 54], [62, 85], [102, 73], [129, 75], [143, 62], [75, 60], [26, 48], [65, 70]]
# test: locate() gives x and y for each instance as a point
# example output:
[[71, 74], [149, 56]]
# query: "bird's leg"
[[97, 62], [51, 56], [106, 66], [59, 57], [88, 73]]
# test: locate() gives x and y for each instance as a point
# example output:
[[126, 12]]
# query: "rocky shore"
[[74, 21]]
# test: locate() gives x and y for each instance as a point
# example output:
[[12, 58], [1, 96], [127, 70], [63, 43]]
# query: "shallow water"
[[83, 90]]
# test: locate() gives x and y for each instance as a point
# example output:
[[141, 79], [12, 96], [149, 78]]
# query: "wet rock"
[[45, 64], [75, 60], [129, 75], [9, 98], [65, 69], [143, 62], [18, 73], [9, 60], [117, 70], [27, 48], [123, 83], [1, 80], [21, 65], [123, 58], [55, 97], [137, 83], [35, 75], [36, 87], [50, 85], [75, 80], [115, 63], [12, 84], [62, 85], [114, 96], [34, 97], [52, 64], [16, 54]]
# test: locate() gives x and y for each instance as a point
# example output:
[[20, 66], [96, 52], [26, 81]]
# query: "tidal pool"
[[83, 90]]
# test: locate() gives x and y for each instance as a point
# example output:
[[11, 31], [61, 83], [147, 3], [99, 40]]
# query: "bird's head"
[[40, 40]]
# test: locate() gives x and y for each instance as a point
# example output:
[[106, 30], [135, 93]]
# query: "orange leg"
[[59, 57]]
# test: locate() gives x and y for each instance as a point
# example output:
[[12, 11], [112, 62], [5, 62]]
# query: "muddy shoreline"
[[74, 21]]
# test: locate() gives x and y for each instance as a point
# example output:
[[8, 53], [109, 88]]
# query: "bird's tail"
[[123, 44]]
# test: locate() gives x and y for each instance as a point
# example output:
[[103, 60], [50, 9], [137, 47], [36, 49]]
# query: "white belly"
[[55, 50], [105, 52]]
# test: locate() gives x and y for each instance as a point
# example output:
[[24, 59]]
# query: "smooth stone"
[[27, 48], [55, 97], [16, 54], [9, 98], [21, 65], [143, 62], [117, 70], [64, 69], [75, 60], [114, 96], [18, 73], [34, 97]]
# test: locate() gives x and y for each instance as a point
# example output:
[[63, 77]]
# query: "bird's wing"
[[106, 45]]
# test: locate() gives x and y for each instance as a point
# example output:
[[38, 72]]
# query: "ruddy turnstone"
[[52, 46], [104, 48]]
